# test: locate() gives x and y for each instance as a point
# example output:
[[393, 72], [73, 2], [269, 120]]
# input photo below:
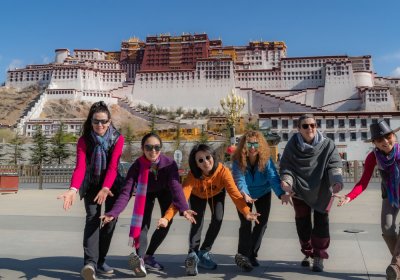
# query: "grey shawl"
[[312, 170]]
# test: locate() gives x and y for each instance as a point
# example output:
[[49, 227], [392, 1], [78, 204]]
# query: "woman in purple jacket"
[[153, 176]]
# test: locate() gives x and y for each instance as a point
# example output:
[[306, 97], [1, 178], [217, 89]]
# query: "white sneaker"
[[136, 264], [88, 272]]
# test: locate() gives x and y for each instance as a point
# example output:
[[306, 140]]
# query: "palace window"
[[352, 123], [331, 136], [364, 136], [363, 123], [330, 123], [342, 137], [353, 136], [285, 123]]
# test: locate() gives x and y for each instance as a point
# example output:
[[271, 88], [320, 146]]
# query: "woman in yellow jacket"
[[207, 182]]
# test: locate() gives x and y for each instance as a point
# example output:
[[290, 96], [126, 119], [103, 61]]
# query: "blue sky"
[[31, 30]]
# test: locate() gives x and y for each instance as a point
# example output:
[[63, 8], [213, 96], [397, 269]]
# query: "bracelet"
[[73, 189]]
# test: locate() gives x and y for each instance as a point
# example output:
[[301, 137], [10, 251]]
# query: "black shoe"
[[254, 262], [318, 264], [306, 262], [243, 262]]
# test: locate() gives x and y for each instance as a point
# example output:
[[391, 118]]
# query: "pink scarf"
[[140, 202]]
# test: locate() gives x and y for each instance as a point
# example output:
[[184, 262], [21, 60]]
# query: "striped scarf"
[[390, 164], [140, 202], [100, 152]]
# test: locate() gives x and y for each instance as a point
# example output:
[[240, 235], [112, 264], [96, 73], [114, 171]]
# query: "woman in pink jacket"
[[95, 174]]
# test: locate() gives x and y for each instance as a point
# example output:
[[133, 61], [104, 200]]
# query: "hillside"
[[65, 109], [14, 103]]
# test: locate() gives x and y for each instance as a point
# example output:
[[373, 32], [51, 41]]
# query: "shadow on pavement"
[[63, 267]]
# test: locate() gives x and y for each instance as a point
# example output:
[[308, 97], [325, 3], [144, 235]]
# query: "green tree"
[[153, 123], [39, 150], [40, 153], [128, 153], [17, 150], [203, 135], [59, 151]]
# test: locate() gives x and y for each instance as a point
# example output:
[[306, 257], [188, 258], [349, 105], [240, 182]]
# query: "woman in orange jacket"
[[207, 182]]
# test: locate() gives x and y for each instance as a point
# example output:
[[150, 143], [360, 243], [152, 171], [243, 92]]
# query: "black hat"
[[379, 129]]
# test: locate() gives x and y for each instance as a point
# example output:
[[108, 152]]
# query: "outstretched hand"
[[68, 197], [162, 222], [343, 199], [287, 198], [106, 219], [102, 195], [253, 217], [189, 215]]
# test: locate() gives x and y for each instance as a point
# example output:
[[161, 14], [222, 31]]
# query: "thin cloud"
[[396, 72], [391, 56], [15, 63], [45, 59]]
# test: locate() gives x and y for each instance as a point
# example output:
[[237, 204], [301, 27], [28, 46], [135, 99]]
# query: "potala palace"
[[192, 71]]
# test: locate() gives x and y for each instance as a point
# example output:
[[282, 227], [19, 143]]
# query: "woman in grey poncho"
[[311, 169]]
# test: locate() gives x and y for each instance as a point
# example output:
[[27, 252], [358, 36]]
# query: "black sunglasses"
[[149, 148], [96, 121], [306, 125], [201, 160]]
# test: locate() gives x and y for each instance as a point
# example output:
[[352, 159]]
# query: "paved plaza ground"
[[39, 240]]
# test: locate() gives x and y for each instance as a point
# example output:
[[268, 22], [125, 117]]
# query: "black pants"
[[164, 198], [197, 204], [250, 237], [96, 240]]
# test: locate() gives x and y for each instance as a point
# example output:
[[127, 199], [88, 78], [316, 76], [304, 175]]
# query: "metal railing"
[[352, 171]]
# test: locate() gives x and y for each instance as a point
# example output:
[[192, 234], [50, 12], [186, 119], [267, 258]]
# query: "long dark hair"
[[148, 135], [98, 107], [196, 171]]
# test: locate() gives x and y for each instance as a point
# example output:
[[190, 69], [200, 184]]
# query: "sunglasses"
[[387, 137], [306, 125], [103, 122], [201, 160], [150, 148], [255, 145]]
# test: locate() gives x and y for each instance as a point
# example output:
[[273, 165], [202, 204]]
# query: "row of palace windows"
[[341, 137], [329, 123]]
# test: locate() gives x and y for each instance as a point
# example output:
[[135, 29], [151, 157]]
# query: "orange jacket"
[[210, 186]]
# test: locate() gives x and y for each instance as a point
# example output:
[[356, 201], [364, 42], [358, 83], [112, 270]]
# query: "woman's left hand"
[[162, 222], [253, 217], [189, 215], [102, 195]]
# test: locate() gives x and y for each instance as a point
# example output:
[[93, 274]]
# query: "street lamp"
[[232, 105]]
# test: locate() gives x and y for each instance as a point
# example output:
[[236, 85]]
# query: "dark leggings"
[[315, 240], [164, 199], [197, 204], [96, 240], [250, 237]]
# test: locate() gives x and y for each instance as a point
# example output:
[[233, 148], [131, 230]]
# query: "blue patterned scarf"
[[100, 152], [390, 164]]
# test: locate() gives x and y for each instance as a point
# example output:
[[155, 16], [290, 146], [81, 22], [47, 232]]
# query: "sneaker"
[[306, 262], [151, 263], [88, 272], [105, 269], [136, 264], [243, 262], [191, 263], [206, 260], [254, 262], [392, 272], [318, 264]]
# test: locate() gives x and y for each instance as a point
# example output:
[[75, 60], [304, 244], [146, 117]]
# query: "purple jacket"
[[167, 178]]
